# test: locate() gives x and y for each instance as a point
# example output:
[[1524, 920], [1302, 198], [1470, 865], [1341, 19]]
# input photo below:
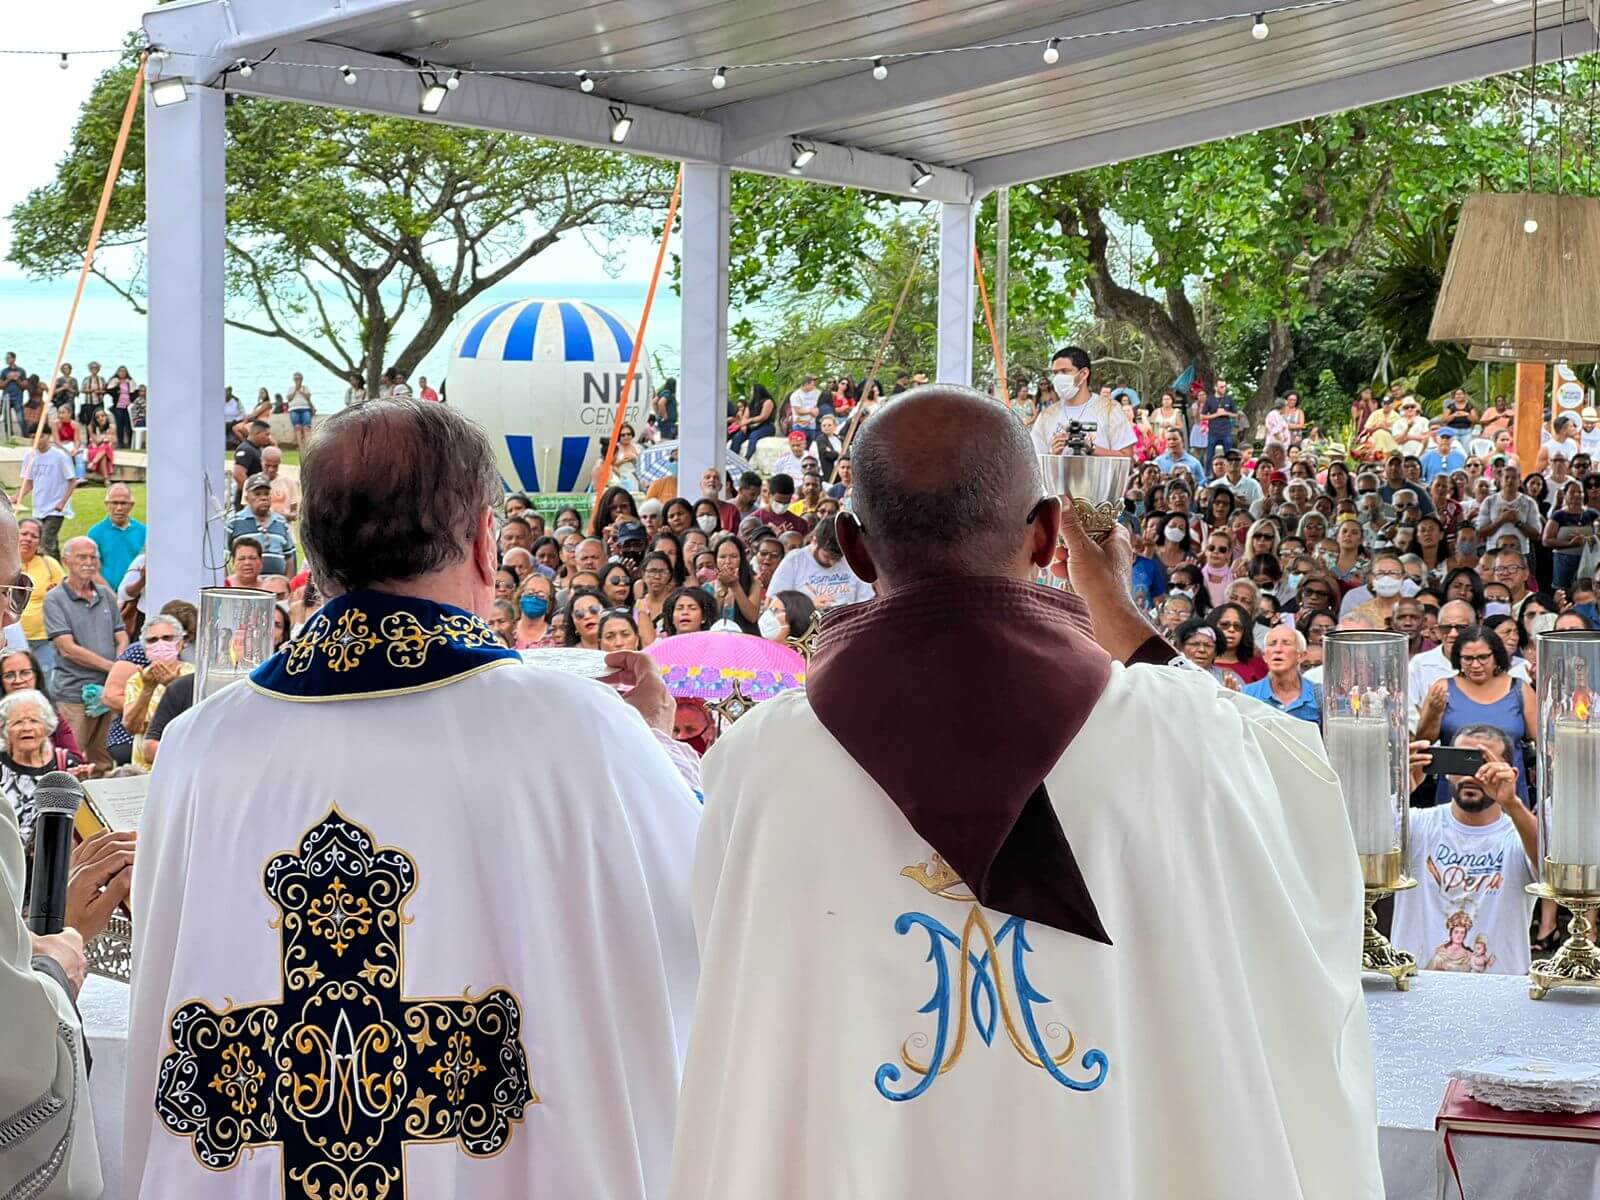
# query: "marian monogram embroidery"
[[345, 1071], [405, 640], [983, 995]]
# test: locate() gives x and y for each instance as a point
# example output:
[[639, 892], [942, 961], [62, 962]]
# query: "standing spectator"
[[1219, 412], [301, 410], [1482, 692], [232, 416], [425, 390], [91, 397], [45, 572], [805, 406], [1474, 858], [122, 388], [118, 536], [13, 379], [1508, 513], [65, 388], [257, 520], [247, 459], [285, 491], [48, 473], [1569, 531], [356, 389], [83, 621], [1283, 687]]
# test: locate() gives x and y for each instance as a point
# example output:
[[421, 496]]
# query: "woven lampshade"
[[1515, 296]]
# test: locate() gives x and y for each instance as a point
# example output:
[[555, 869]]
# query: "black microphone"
[[56, 799]]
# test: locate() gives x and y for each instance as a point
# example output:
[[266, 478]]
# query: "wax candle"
[[1575, 795], [1360, 750]]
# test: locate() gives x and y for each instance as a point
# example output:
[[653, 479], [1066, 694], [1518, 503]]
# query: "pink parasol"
[[707, 665]]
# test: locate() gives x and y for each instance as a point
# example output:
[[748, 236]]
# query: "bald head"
[[944, 481]]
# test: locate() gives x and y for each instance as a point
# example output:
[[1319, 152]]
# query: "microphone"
[[56, 798]]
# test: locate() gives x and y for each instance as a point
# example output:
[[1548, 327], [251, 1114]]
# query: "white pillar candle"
[[1575, 795], [1360, 750]]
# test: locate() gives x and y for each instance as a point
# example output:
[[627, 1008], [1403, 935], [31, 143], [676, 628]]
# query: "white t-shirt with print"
[[1469, 911], [828, 587], [1112, 432]]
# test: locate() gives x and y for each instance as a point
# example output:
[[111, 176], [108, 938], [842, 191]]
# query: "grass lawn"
[[89, 506]]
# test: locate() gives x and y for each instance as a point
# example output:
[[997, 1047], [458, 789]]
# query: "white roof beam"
[[846, 166], [1279, 108], [921, 80], [219, 32]]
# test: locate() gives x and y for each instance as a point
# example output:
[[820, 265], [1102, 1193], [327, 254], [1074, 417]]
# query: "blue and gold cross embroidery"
[[344, 1071], [983, 995]]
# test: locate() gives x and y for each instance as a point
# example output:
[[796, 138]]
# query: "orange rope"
[[94, 234], [638, 340], [994, 338]]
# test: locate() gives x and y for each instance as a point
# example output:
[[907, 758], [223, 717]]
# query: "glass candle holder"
[[1569, 760], [234, 637], [1364, 729]]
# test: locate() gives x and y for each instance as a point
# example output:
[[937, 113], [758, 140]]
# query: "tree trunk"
[[1280, 353]]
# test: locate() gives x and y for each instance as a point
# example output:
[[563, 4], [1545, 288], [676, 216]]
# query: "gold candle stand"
[[1577, 963], [1381, 875]]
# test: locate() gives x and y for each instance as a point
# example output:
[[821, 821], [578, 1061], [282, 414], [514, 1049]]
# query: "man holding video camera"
[[1472, 860]]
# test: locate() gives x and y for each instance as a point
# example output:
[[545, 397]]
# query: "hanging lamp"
[[1520, 284]]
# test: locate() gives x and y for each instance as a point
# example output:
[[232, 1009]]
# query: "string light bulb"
[[1052, 52], [348, 75], [585, 81], [720, 79], [245, 69], [1259, 30], [880, 72], [63, 63], [454, 81]]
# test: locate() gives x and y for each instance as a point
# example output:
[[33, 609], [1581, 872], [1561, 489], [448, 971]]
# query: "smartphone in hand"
[[1454, 760]]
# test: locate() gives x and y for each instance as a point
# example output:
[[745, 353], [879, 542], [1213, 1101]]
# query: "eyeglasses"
[[585, 613], [1230, 626], [18, 676], [1451, 627], [1477, 658], [160, 637], [18, 594]]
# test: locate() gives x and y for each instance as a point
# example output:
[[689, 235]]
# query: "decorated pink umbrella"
[[708, 666]]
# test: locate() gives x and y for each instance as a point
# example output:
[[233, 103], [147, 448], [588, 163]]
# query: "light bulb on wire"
[[1259, 30], [585, 81], [880, 71], [348, 75], [245, 68], [720, 79], [454, 81], [63, 63], [1052, 52]]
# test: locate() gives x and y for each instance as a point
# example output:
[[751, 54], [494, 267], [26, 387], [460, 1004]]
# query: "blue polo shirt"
[[1308, 707], [1435, 464], [1166, 462]]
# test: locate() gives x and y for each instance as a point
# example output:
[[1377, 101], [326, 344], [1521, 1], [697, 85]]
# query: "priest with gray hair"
[[403, 964]]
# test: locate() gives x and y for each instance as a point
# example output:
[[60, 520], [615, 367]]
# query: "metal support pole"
[[703, 375], [955, 293], [187, 221]]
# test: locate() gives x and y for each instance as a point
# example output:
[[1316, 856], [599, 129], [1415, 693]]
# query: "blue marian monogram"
[[982, 996]]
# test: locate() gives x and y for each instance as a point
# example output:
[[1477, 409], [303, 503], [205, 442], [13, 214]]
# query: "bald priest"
[[979, 940]]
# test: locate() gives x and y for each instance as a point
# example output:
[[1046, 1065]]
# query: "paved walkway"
[[132, 466]]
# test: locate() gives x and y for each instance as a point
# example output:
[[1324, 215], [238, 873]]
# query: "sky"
[[53, 97]]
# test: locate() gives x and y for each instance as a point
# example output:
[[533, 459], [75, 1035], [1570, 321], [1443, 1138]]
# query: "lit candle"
[[1575, 795], [1360, 749]]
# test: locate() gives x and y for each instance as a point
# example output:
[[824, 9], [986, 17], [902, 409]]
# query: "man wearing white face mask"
[[1387, 580], [1069, 375]]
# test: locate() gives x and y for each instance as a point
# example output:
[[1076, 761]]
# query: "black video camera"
[[1078, 436]]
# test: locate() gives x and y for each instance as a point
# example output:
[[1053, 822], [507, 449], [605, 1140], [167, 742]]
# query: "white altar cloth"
[[1417, 1038]]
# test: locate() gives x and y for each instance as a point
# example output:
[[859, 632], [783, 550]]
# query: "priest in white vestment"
[[411, 918], [979, 937]]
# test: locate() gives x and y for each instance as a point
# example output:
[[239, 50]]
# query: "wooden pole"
[[1529, 420]]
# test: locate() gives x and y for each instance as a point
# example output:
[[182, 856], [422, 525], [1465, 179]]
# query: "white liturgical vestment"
[[865, 1029], [415, 928]]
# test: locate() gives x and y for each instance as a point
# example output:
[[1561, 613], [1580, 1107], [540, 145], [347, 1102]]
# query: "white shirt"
[[791, 465], [52, 474], [1495, 506], [1112, 432], [828, 587], [1468, 911], [1247, 489], [803, 407]]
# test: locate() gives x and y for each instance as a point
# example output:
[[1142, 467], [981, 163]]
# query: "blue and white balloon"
[[544, 378]]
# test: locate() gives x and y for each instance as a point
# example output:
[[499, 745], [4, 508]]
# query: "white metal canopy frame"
[[939, 100]]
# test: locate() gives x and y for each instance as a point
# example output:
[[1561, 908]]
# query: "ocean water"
[[33, 316]]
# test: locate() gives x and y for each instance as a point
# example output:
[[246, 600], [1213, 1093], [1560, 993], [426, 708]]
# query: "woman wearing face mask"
[[534, 606], [707, 516], [737, 590], [163, 642], [1185, 581], [786, 615], [1177, 545]]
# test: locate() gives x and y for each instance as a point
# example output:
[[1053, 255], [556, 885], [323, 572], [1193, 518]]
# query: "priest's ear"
[[853, 544], [1044, 531], [485, 548]]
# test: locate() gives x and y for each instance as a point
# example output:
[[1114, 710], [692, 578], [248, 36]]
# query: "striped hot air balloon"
[[544, 378]]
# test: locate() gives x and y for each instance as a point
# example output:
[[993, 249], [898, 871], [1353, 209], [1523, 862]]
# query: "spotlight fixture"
[[63, 63], [804, 152], [621, 123], [245, 68], [348, 75], [920, 175], [1052, 52], [585, 81], [433, 94], [720, 79], [880, 72], [1259, 30], [454, 81], [168, 91]]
